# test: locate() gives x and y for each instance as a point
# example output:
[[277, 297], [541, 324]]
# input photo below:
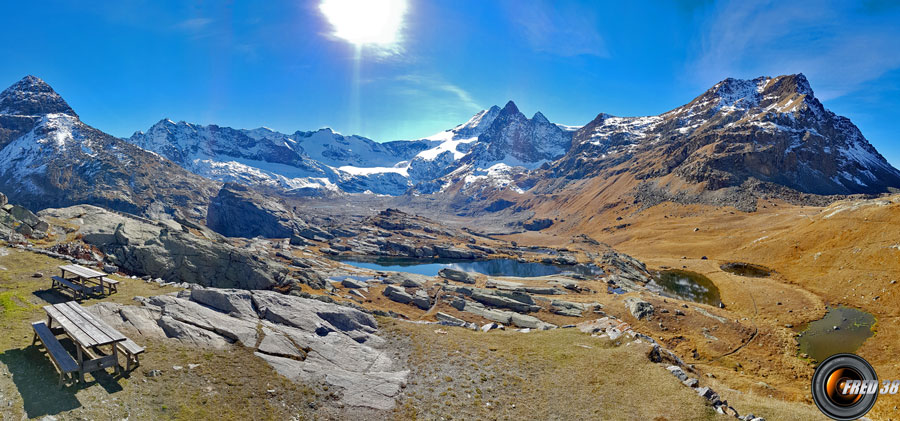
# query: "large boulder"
[[457, 275], [7, 220], [422, 300], [516, 301], [143, 247], [628, 270], [398, 294], [448, 319], [24, 215], [501, 316], [640, 309], [354, 283], [238, 211], [567, 308], [408, 280]]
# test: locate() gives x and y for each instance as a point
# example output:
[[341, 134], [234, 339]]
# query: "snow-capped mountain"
[[515, 140], [321, 159], [252, 157], [326, 160], [49, 158], [507, 147], [769, 130], [772, 130]]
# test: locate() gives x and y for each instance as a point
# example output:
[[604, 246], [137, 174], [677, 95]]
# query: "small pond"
[[746, 269], [821, 340], [687, 285], [491, 267]]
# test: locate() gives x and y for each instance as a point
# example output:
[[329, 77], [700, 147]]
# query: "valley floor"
[[455, 373], [845, 254]]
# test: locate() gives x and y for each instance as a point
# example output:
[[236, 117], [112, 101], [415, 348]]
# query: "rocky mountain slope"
[[49, 157], [302, 161], [740, 140], [769, 130], [493, 140]]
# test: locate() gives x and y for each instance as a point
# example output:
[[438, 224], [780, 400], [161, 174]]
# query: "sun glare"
[[366, 22]]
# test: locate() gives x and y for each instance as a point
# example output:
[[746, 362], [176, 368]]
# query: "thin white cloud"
[[197, 28], [835, 45], [558, 29], [438, 88], [195, 24]]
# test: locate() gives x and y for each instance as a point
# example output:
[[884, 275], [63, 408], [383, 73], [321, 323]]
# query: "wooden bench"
[[111, 284], [78, 291], [131, 351], [62, 361]]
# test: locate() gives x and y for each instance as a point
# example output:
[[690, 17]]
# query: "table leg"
[[116, 357], [80, 364]]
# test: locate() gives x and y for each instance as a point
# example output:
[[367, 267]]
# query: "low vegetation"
[[190, 384]]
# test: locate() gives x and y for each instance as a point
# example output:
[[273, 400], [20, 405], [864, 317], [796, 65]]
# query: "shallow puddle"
[[746, 269], [821, 340], [687, 285]]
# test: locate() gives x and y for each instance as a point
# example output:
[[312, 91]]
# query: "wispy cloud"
[[195, 24], [558, 29], [197, 28], [837, 47], [438, 89]]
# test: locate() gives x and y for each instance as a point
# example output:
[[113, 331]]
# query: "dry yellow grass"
[[230, 385], [560, 374], [844, 254]]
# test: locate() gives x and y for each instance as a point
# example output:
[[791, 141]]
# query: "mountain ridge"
[[736, 133], [50, 158]]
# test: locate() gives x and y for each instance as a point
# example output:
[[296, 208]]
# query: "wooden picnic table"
[[82, 276], [89, 334]]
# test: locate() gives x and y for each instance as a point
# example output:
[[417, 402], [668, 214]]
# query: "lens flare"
[[366, 22]]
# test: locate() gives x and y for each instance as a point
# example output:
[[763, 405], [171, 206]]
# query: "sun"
[[366, 22]]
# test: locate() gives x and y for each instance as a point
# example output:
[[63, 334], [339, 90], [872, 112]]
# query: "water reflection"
[[686, 285], [492, 267], [843, 329]]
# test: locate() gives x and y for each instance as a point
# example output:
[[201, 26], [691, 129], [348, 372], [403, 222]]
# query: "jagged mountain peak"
[[770, 129], [790, 92], [31, 96], [472, 128], [510, 108], [515, 140]]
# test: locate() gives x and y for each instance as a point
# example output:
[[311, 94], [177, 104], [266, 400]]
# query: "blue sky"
[[125, 65]]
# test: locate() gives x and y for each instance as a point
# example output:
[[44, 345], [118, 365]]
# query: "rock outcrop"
[[167, 250], [238, 211], [457, 275], [500, 316], [302, 339], [640, 309], [15, 219]]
